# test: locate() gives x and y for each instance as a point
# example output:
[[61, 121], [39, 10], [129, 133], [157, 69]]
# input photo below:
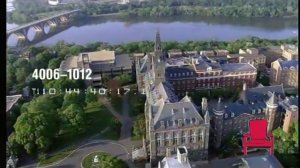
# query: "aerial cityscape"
[[152, 84]]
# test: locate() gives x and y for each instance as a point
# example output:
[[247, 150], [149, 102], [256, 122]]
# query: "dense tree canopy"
[[27, 11], [286, 145], [37, 126], [36, 130], [73, 118], [90, 96]]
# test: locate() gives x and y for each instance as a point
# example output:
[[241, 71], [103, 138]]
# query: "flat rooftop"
[[69, 63], [11, 101], [237, 67], [101, 56]]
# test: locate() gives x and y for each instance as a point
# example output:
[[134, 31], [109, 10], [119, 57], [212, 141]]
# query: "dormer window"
[[192, 73], [226, 115], [171, 75], [174, 111], [183, 74], [187, 73], [179, 123], [232, 114], [179, 74], [162, 124], [175, 75], [259, 111], [253, 111]]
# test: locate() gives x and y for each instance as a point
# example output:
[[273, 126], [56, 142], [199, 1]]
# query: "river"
[[116, 30]]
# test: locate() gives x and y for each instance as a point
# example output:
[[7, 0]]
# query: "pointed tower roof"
[[273, 101], [219, 107], [157, 46]]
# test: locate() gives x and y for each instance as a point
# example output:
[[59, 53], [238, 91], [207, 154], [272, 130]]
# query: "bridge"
[[53, 22]]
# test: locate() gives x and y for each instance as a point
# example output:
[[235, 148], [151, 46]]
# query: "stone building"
[[196, 73], [272, 53], [291, 107], [252, 56], [262, 102], [289, 52], [285, 72], [170, 122]]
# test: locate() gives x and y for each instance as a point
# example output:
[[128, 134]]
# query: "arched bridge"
[[39, 26]]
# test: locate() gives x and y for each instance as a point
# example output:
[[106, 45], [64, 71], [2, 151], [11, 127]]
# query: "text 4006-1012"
[[72, 74]]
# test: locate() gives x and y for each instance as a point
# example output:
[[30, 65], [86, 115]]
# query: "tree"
[[139, 126], [90, 96], [54, 63], [14, 148], [62, 84], [73, 98], [35, 130], [73, 118], [123, 79], [36, 127]]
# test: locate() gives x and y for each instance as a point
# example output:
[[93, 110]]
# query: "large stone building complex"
[[262, 102], [195, 72], [170, 122], [285, 72]]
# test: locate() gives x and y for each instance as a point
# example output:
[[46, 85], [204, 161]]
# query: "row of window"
[[178, 141], [182, 74]]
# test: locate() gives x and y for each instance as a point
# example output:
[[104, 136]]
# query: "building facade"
[[289, 52], [284, 72], [262, 102], [190, 74], [250, 55], [290, 105], [170, 122]]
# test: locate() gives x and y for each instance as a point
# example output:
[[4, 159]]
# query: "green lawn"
[[55, 158]]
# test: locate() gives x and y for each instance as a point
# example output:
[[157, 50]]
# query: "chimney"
[[182, 154], [244, 86], [168, 152]]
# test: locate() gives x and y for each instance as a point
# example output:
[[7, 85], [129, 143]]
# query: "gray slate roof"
[[289, 64], [257, 98], [237, 67], [170, 71], [172, 112]]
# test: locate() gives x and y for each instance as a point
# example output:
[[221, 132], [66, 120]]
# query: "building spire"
[[272, 100], [157, 46]]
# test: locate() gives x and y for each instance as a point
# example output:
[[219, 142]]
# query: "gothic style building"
[[262, 102], [170, 122]]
